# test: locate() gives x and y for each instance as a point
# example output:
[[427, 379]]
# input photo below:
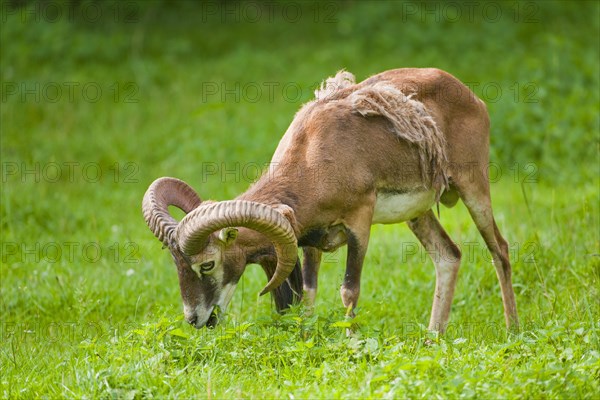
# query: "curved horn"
[[161, 194], [193, 231]]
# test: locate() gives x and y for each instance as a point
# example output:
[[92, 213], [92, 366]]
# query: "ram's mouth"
[[214, 317]]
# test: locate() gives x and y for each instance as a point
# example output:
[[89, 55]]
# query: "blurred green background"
[[535, 64], [99, 98]]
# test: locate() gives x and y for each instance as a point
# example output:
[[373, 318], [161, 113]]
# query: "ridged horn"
[[193, 231], [161, 194]]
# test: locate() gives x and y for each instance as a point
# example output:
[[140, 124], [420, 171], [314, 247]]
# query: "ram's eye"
[[207, 267]]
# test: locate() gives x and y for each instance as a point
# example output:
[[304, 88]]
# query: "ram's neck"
[[290, 176], [272, 191]]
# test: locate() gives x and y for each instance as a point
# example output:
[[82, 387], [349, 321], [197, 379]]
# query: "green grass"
[[90, 304]]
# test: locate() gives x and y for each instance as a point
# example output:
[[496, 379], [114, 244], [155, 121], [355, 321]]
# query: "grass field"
[[100, 98]]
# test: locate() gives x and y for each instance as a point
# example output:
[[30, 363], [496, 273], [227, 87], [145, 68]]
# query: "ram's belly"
[[394, 207]]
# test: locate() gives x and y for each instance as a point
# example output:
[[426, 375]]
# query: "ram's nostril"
[[192, 320]]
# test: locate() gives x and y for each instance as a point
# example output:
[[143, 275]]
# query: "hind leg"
[[446, 258], [478, 202]]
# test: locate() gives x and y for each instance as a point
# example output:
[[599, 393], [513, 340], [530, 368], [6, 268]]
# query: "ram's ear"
[[289, 214], [228, 236]]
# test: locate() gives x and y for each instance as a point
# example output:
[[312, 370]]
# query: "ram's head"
[[209, 260]]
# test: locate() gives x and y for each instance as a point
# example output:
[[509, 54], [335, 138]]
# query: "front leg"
[[358, 229], [310, 274]]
